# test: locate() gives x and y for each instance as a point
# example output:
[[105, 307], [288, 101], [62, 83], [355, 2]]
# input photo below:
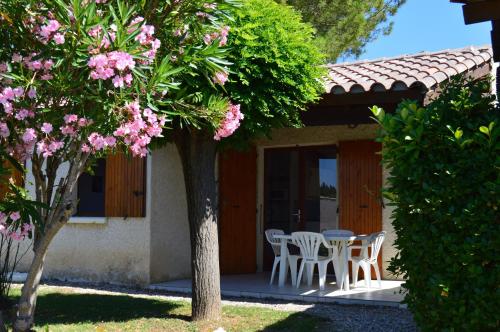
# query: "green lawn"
[[63, 309]]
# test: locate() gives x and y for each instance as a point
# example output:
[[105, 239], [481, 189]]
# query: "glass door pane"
[[282, 190], [300, 192], [320, 189]]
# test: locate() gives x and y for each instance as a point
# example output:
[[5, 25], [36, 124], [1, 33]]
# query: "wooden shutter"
[[360, 183], [237, 211], [14, 174], [125, 192]]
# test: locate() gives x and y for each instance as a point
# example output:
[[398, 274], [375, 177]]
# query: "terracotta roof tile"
[[400, 73]]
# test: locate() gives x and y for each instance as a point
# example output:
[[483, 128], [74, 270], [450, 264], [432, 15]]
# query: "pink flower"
[[210, 5], [46, 77], [47, 64], [67, 130], [207, 39], [231, 122], [99, 60], [110, 141], [97, 141], [70, 118], [4, 130], [220, 77], [53, 25], [16, 57], [15, 236], [121, 60], [136, 20], [32, 93], [18, 92], [36, 65], [46, 128], [8, 93], [59, 38], [22, 114], [118, 81], [82, 122], [47, 30], [128, 79], [15, 216], [27, 227], [85, 148], [29, 135]]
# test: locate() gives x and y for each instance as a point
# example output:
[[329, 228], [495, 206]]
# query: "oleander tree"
[[80, 79]]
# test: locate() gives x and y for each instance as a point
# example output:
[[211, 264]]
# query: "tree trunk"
[[197, 150], [58, 215], [27, 302]]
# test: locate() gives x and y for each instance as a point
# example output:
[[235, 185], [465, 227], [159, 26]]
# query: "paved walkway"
[[257, 286]]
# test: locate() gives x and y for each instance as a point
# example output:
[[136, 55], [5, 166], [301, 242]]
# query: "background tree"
[[345, 27]]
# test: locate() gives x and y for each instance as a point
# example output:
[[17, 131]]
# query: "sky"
[[427, 25]]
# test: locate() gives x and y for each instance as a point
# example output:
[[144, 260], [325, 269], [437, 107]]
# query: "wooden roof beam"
[[481, 11], [495, 40]]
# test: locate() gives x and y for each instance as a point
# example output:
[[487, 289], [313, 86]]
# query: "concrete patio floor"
[[257, 286]]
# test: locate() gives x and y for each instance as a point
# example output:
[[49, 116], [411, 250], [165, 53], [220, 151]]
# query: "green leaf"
[[484, 130]]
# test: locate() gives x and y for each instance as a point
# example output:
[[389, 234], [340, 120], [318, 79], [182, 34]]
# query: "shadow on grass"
[[95, 308], [300, 322]]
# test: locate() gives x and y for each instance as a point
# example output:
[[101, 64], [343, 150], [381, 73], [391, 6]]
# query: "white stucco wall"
[[170, 243], [112, 250], [388, 250], [116, 251]]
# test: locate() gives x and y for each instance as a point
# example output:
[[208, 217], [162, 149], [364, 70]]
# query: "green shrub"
[[445, 187]]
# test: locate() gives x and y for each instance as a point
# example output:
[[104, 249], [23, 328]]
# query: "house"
[[131, 225]]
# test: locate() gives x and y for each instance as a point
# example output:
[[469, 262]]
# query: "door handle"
[[363, 206], [298, 215]]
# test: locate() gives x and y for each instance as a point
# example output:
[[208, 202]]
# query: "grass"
[[66, 309]]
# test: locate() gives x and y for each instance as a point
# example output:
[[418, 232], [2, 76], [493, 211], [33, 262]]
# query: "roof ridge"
[[449, 50]]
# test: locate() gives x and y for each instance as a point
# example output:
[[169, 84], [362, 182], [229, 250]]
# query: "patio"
[[257, 286]]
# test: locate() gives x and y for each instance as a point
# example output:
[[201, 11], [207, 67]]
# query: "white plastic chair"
[[336, 232], [276, 246], [309, 244], [366, 261]]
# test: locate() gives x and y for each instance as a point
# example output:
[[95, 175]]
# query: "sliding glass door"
[[300, 190]]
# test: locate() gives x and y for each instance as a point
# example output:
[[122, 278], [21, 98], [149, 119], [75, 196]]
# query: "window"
[[91, 189]]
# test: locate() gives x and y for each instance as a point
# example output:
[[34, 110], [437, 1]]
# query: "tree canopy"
[[277, 67], [344, 27]]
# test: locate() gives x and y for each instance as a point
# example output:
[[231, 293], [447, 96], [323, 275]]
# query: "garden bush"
[[444, 185]]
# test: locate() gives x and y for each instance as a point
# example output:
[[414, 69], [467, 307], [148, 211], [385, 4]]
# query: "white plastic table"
[[342, 243]]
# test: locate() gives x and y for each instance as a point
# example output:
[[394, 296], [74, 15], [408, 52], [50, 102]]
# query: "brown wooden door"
[[11, 174], [360, 182], [237, 211]]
